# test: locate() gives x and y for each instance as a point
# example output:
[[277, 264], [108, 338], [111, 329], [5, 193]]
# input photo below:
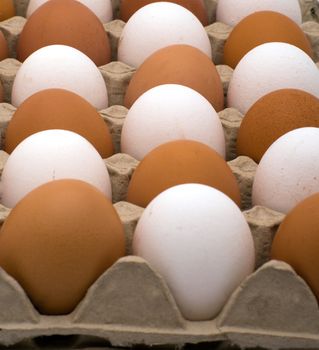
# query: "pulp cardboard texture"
[[130, 304]]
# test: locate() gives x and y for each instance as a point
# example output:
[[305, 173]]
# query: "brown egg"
[[58, 240], [259, 28], [58, 109], [178, 64], [297, 241], [65, 22], [180, 162], [197, 7], [7, 9], [4, 51], [272, 116]]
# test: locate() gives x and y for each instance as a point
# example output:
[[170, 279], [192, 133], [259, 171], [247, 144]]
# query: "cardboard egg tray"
[[130, 304]]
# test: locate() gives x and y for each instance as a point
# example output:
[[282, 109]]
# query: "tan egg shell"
[[297, 241], [58, 109], [7, 9], [274, 115], [58, 240], [197, 7], [178, 64], [259, 28], [180, 162], [65, 22]]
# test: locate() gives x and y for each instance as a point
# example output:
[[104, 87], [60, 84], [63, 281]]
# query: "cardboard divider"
[[272, 304]]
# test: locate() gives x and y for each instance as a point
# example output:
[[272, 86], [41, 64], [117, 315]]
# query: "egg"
[[60, 66], [101, 8], [197, 7], [158, 25], [199, 241], [66, 22], [269, 67], [232, 12], [272, 116], [7, 9], [58, 109], [179, 162], [50, 155], [178, 64], [259, 28], [297, 241], [4, 51], [186, 114], [288, 171], [58, 240]]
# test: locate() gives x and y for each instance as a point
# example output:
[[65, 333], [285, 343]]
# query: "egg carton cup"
[[273, 308]]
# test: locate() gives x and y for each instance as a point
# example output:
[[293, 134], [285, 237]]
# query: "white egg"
[[51, 155], [158, 25], [269, 67], [170, 112], [102, 8], [199, 241], [289, 171], [232, 12], [60, 66]]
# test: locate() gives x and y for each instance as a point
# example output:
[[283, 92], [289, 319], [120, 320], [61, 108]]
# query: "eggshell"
[[269, 67], [288, 171], [60, 66], [4, 51], [65, 22], [51, 155], [297, 241], [7, 9], [200, 242], [232, 12], [58, 109], [185, 115], [101, 8], [259, 28], [272, 116], [179, 162], [197, 7], [178, 64], [158, 25], [58, 240]]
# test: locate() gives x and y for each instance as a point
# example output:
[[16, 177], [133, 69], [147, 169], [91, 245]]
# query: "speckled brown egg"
[[274, 115], [178, 64], [297, 241], [4, 51], [7, 9], [58, 109], [197, 7], [259, 28], [58, 240], [180, 162], [66, 22]]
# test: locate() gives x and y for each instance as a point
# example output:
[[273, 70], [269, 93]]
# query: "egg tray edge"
[[272, 308]]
